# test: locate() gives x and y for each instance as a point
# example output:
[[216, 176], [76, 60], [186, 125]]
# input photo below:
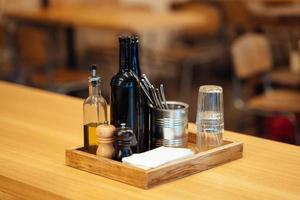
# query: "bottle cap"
[[134, 39], [124, 39], [125, 134], [93, 78]]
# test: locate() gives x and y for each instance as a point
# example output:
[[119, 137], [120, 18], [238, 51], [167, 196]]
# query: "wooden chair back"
[[251, 55], [31, 46]]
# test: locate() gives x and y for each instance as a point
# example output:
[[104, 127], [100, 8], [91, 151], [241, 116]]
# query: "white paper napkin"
[[157, 157]]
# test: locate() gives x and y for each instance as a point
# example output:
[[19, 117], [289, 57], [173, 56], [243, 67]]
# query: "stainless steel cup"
[[169, 126]]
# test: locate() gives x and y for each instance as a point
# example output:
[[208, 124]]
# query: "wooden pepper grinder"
[[123, 139], [105, 139]]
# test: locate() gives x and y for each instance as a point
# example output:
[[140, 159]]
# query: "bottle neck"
[[124, 56], [134, 58], [94, 89]]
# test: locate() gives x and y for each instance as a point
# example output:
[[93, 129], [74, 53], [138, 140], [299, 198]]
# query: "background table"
[[151, 26], [115, 17], [37, 126], [285, 77]]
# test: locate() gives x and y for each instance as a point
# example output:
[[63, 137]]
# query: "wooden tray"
[[148, 178]]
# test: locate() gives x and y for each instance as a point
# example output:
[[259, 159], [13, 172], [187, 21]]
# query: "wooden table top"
[[121, 18], [37, 126]]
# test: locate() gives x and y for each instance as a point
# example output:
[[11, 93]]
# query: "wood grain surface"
[[37, 126]]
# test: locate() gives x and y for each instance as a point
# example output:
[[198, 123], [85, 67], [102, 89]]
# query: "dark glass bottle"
[[126, 96], [142, 135], [124, 89]]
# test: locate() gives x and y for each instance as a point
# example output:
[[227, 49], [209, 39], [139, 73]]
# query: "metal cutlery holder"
[[169, 126]]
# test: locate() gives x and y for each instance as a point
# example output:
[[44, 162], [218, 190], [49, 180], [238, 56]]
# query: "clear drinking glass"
[[210, 117]]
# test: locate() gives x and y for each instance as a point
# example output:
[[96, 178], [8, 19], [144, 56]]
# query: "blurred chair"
[[204, 47], [4, 54], [36, 62], [197, 45], [252, 64]]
